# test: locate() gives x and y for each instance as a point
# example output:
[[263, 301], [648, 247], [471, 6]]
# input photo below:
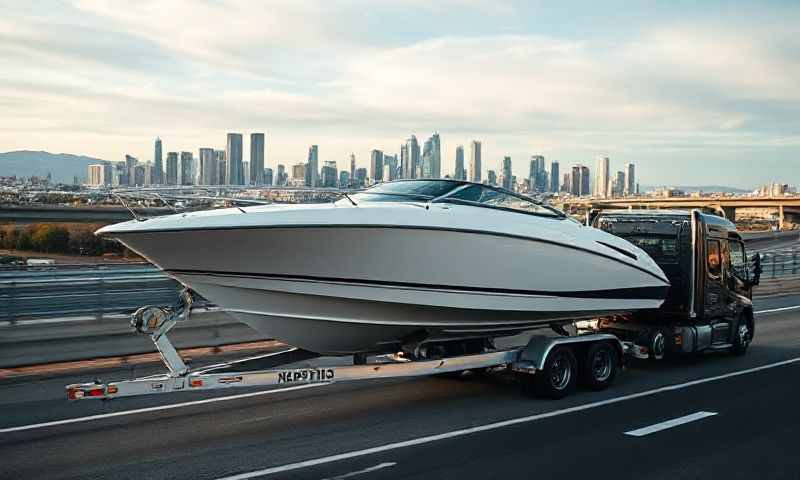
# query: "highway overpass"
[[788, 208]]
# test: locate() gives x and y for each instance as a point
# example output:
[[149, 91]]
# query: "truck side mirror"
[[756, 273]]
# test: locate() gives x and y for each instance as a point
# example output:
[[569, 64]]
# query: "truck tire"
[[557, 377], [742, 335], [599, 366], [657, 345]]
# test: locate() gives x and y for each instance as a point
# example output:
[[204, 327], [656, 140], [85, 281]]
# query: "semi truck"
[[708, 307]]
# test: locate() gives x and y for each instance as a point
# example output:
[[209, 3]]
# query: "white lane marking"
[[794, 307], [156, 409], [641, 432], [496, 425], [379, 466]]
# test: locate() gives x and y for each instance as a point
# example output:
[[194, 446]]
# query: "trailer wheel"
[[742, 335], [557, 378], [657, 345], [600, 365]]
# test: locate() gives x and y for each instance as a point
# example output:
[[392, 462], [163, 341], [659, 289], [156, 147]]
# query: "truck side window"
[[738, 261], [714, 265]]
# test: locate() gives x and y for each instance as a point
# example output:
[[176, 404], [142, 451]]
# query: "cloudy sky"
[[693, 92]]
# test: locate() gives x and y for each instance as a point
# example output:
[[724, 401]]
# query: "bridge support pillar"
[[781, 217], [730, 213]]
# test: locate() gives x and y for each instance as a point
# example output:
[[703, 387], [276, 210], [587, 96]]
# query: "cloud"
[[360, 75]]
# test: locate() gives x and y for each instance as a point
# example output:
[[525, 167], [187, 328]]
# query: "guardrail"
[[54, 291], [781, 263]]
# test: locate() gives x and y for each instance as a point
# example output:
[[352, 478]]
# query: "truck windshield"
[[661, 249]]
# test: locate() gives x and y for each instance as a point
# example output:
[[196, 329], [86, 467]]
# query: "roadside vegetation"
[[61, 238]]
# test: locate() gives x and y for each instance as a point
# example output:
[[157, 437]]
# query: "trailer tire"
[[742, 335], [600, 365], [557, 378]]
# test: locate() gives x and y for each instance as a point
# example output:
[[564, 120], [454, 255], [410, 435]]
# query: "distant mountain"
[[63, 166], [699, 188]]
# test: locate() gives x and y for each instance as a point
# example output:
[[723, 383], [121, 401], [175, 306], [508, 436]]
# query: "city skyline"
[[708, 89]]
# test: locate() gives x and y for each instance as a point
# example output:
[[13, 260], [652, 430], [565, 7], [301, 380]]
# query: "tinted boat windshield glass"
[[415, 190], [484, 196]]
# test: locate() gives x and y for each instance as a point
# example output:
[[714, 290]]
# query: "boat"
[[407, 262]]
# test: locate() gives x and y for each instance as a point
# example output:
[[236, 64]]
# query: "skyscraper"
[[207, 167], [352, 166], [256, 158], [222, 167], [158, 171], [507, 180], [312, 170], [246, 173], [602, 175], [575, 180], [491, 177], [172, 168], [475, 161], [537, 176], [130, 164], [233, 156], [389, 167], [411, 163], [554, 176], [460, 174], [630, 179], [586, 181], [330, 178], [281, 177], [268, 180], [186, 169], [376, 166]]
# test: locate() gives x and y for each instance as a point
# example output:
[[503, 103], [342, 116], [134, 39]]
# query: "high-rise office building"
[[138, 175], [268, 179], [475, 161], [246, 173], [491, 177], [411, 163], [256, 159], [130, 164], [376, 166], [403, 160], [222, 167], [460, 173], [186, 169], [431, 164], [281, 177], [618, 185], [537, 175], [330, 178], [389, 167], [158, 168], [601, 179], [233, 156], [149, 174], [352, 166], [99, 174], [344, 179], [299, 174], [575, 180], [312, 168], [554, 177], [507, 180], [172, 168], [361, 177], [207, 170], [630, 179], [586, 181]]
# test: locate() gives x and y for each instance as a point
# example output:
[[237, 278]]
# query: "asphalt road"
[[420, 428]]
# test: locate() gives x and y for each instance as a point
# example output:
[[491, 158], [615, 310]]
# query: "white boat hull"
[[337, 289]]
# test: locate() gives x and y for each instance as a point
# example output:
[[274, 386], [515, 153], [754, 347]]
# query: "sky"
[[694, 93]]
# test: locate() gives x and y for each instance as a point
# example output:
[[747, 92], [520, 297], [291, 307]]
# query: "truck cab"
[[708, 305]]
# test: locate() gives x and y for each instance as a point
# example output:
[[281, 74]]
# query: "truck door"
[[715, 301], [737, 266]]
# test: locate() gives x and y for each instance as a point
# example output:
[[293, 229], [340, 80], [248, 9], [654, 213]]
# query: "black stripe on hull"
[[635, 293]]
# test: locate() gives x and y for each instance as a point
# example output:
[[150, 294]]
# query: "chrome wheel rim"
[[601, 365], [658, 345], [744, 335], [560, 373]]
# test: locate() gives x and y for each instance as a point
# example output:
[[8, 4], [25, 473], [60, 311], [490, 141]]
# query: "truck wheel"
[[657, 345], [600, 366], [742, 336], [557, 378]]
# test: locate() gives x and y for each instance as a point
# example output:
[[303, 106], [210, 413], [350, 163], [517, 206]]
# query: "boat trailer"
[[551, 365]]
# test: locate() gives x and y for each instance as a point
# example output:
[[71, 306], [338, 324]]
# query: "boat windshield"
[[406, 190], [452, 191]]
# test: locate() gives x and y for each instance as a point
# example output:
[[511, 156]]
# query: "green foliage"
[[78, 239]]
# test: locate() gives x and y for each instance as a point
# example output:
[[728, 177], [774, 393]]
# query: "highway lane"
[[248, 434]]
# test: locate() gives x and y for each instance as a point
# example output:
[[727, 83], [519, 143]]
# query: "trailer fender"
[[534, 354]]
